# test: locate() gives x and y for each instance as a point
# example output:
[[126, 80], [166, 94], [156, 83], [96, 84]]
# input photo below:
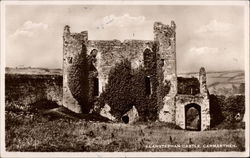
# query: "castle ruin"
[[186, 96]]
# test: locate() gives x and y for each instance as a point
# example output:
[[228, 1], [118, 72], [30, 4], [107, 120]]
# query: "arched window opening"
[[162, 62], [93, 59], [93, 53], [193, 117], [70, 60], [96, 86], [147, 57], [148, 86]]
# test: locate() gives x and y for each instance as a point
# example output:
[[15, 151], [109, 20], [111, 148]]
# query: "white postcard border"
[[123, 154]]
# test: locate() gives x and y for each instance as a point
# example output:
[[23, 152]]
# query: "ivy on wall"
[[82, 73], [78, 79], [118, 90], [225, 109], [127, 88], [189, 86]]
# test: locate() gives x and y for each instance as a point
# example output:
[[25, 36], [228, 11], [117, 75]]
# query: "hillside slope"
[[220, 83], [224, 82]]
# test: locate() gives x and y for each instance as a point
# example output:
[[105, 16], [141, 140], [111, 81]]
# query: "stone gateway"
[[87, 65]]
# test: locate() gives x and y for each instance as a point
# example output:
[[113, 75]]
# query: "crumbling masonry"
[[186, 96]]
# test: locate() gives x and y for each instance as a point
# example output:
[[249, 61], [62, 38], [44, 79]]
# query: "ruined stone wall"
[[189, 86], [74, 71], [27, 89], [112, 52], [85, 59], [184, 100], [203, 81], [166, 69], [201, 99]]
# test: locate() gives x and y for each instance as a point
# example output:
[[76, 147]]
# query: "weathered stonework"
[[185, 100], [200, 100], [87, 65], [105, 112], [166, 68], [132, 116]]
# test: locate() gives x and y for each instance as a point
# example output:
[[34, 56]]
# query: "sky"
[[207, 36]]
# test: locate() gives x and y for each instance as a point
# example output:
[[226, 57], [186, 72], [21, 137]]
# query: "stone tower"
[[165, 38], [74, 59], [203, 81], [87, 65], [205, 107]]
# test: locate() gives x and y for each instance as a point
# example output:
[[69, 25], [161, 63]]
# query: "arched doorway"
[[193, 117]]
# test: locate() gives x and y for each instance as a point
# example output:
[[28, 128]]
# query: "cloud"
[[34, 44], [203, 50], [29, 29], [215, 27], [120, 21], [212, 58]]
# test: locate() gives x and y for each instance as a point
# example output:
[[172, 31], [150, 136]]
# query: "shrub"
[[230, 125], [233, 105], [117, 93], [223, 111], [215, 109], [127, 88]]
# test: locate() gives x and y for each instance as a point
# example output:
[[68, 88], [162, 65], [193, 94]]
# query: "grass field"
[[27, 129], [47, 127]]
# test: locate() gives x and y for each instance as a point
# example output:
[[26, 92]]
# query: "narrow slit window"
[[96, 86], [169, 43], [70, 60], [162, 62], [148, 85]]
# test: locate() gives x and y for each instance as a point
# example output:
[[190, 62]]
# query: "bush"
[[215, 109], [230, 125], [233, 105], [117, 93], [223, 111], [127, 88]]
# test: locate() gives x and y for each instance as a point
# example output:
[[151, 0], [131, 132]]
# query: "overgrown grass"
[[30, 130]]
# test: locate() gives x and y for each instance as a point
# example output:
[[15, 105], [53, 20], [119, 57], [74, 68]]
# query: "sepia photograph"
[[124, 78]]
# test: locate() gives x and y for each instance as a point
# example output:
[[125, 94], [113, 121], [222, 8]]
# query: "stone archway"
[[193, 117]]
